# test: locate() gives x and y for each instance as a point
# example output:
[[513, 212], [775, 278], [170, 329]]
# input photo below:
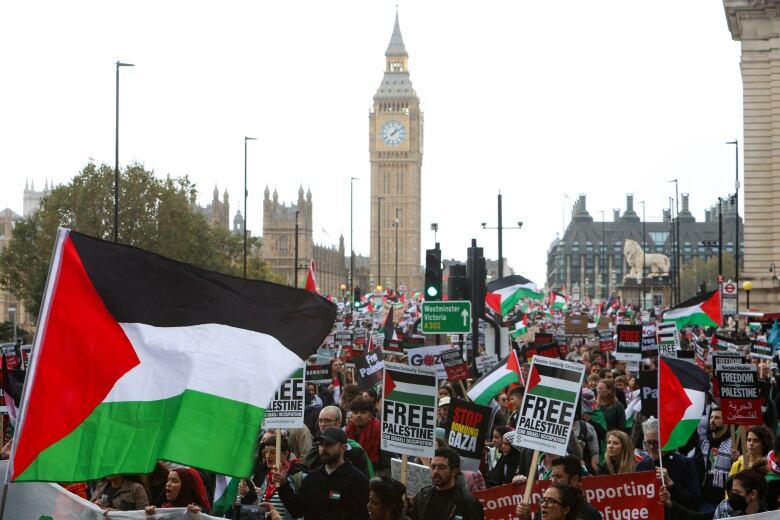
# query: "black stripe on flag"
[[558, 373], [138, 286], [507, 281], [412, 379]]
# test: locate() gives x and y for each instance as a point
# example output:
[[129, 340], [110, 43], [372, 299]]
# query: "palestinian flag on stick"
[[554, 382], [703, 310], [502, 375], [503, 294], [521, 327], [139, 358], [311, 279], [557, 301], [681, 390]]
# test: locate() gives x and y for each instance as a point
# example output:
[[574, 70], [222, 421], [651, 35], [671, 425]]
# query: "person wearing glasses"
[[678, 473], [566, 471], [502, 416], [330, 416]]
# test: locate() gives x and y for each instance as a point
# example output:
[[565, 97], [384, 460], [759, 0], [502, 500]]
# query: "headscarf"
[[192, 490]]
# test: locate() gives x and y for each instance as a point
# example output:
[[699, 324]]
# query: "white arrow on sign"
[[465, 315]]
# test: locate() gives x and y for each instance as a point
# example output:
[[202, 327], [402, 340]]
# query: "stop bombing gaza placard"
[[286, 408], [550, 401], [409, 409]]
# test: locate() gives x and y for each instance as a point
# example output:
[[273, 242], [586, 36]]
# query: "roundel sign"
[[730, 288]]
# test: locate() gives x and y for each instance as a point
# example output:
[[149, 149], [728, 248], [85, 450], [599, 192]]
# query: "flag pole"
[[529, 484], [278, 450], [404, 468]]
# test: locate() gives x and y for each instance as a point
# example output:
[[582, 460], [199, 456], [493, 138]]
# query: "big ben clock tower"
[[395, 132]]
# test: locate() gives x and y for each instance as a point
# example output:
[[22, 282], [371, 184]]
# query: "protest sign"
[[630, 495], [468, 423], [740, 399], [368, 369], [759, 348], [454, 365], [542, 338], [550, 400], [486, 362], [606, 340], [409, 409], [429, 357], [603, 323], [318, 374], [648, 392], [359, 338], [417, 476], [576, 325], [343, 338], [549, 350], [701, 357], [649, 343], [410, 342], [629, 343], [726, 358], [286, 408]]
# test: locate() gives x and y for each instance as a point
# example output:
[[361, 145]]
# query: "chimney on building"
[[630, 215], [667, 216], [580, 212], [685, 213], [615, 215]]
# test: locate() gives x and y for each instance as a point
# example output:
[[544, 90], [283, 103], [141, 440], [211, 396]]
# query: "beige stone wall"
[[756, 24]]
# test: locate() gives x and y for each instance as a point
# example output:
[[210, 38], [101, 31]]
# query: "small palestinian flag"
[[311, 279], [140, 358], [521, 327], [410, 387], [551, 380], [703, 310], [557, 301], [502, 375], [681, 390], [503, 294]]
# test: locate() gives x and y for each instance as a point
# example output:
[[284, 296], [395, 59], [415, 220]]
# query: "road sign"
[[729, 303], [450, 317], [730, 288]]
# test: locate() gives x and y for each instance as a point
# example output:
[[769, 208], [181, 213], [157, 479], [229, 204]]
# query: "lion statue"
[[655, 264]]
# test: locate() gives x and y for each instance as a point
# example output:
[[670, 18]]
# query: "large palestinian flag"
[[140, 358], [502, 375], [701, 310], [681, 390], [503, 294]]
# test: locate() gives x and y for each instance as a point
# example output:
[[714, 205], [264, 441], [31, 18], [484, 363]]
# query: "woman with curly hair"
[[619, 457], [759, 442]]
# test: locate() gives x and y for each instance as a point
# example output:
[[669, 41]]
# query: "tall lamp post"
[[295, 276], [644, 253], [245, 196], [602, 268], [677, 249], [379, 199], [501, 229], [735, 142], [396, 223], [116, 154], [351, 251]]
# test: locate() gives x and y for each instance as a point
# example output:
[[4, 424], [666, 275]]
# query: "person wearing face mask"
[[745, 494]]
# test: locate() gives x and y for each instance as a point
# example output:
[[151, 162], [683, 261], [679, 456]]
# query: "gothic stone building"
[[590, 253]]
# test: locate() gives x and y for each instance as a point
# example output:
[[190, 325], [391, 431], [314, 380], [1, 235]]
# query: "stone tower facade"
[[32, 199], [756, 25], [218, 212], [395, 131]]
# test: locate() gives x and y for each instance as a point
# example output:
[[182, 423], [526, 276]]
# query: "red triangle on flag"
[[672, 406], [493, 300], [389, 384], [533, 379]]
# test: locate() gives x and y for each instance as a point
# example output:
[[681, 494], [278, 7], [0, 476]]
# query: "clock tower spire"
[[396, 150]]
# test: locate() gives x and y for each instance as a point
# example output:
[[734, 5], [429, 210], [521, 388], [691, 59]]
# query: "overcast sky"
[[540, 100]]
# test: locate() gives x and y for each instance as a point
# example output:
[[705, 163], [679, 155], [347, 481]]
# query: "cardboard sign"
[[318, 374], [429, 357], [486, 362], [549, 403], [648, 392], [606, 341], [668, 339], [468, 425], [649, 342], [740, 398], [759, 348], [603, 323], [630, 495], [410, 342], [726, 358], [286, 408], [629, 343], [409, 410], [368, 369], [417, 476], [549, 350], [454, 365], [576, 325], [343, 338]]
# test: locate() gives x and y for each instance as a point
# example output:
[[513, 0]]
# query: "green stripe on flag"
[[422, 400], [681, 434], [554, 393]]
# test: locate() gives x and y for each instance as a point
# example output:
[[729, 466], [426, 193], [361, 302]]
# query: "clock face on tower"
[[393, 133]]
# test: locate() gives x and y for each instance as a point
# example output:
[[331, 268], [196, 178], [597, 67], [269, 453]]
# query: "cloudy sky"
[[541, 100]]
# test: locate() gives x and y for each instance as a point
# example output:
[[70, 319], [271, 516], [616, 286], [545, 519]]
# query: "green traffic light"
[[432, 291]]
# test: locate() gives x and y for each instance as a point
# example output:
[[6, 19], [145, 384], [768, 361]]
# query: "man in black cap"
[[335, 490]]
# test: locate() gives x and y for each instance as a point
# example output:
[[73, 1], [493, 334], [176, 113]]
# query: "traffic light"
[[433, 274], [458, 283]]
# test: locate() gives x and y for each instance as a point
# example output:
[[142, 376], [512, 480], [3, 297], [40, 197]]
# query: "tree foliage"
[[154, 214], [702, 271], [7, 333]]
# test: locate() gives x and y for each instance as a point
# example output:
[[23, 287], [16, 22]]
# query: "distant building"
[[32, 198], [8, 302], [217, 213], [590, 253]]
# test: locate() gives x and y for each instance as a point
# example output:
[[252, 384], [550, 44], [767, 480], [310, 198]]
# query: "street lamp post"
[[501, 229], [10, 310], [351, 251], [245, 196], [748, 286], [116, 154], [396, 223], [735, 142], [602, 265], [644, 253], [435, 229], [295, 277], [379, 238]]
